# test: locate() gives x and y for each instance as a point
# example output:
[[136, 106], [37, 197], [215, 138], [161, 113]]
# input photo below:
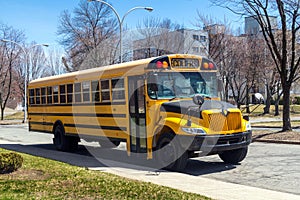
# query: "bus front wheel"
[[169, 153], [234, 156], [63, 142]]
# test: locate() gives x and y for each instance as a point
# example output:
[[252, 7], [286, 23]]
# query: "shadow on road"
[[198, 167], [96, 157]]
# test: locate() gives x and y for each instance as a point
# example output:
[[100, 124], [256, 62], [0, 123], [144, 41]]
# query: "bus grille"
[[220, 122]]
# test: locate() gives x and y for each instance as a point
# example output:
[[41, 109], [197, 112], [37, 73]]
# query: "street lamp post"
[[149, 9], [26, 69]]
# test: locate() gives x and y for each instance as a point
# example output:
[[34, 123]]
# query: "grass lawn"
[[15, 116], [41, 178], [259, 109]]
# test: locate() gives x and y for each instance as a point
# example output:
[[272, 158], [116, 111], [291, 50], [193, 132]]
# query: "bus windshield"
[[169, 85]]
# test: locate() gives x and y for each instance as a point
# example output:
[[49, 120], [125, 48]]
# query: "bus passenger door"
[[137, 112]]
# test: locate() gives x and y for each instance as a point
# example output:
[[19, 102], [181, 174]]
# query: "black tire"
[[169, 153], [63, 142], [234, 156], [108, 144]]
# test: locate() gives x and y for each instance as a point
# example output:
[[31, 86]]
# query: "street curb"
[[294, 127], [277, 141]]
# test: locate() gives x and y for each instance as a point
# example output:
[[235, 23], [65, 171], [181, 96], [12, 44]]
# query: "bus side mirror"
[[198, 99]]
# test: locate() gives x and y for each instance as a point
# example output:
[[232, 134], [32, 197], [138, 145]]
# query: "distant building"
[[215, 29], [185, 41], [252, 27], [195, 42]]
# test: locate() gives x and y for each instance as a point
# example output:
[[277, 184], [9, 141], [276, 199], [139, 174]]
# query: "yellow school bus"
[[167, 108]]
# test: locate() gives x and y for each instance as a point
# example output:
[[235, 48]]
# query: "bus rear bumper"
[[213, 144]]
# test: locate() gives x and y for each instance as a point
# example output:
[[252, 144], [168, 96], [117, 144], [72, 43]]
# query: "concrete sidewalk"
[[214, 189]]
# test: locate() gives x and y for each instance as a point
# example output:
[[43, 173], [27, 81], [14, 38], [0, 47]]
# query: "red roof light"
[[159, 64]]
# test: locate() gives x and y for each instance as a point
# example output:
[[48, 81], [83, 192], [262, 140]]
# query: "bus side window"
[[95, 91], [105, 92], [31, 97], [55, 94], [70, 93], [77, 92], [118, 91], [62, 93], [43, 95], [38, 96], [86, 91], [49, 95]]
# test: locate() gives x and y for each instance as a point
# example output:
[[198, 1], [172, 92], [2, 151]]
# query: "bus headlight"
[[196, 131]]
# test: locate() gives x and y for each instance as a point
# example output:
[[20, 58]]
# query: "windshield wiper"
[[173, 98], [176, 97]]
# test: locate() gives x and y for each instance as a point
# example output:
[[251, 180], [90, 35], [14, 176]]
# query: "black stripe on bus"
[[45, 131], [115, 128], [81, 104], [42, 123], [80, 114], [38, 130]]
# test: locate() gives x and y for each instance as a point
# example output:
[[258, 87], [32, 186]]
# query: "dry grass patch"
[[276, 135]]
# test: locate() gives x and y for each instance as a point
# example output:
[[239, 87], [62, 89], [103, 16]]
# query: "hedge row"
[[10, 162]]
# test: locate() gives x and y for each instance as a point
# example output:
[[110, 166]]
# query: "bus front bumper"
[[213, 144]]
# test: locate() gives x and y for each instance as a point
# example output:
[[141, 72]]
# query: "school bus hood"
[[185, 106], [215, 116]]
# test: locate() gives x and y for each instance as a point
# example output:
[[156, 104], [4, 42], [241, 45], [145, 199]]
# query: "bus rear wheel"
[[170, 155], [234, 156], [63, 142]]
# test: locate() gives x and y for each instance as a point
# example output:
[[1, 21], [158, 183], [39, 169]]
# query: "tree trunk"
[[226, 91], [286, 108], [276, 108], [2, 113], [247, 102], [268, 101]]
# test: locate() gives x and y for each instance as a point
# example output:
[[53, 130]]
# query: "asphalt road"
[[273, 167]]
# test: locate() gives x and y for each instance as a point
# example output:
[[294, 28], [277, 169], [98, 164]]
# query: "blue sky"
[[39, 18]]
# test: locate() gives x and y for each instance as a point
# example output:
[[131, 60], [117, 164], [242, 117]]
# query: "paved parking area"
[[270, 171]]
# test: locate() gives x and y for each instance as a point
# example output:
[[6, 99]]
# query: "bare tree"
[[91, 24], [9, 59], [158, 37], [271, 79], [37, 63], [219, 36], [219, 32], [281, 44], [260, 61], [54, 61], [238, 58], [240, 70]]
